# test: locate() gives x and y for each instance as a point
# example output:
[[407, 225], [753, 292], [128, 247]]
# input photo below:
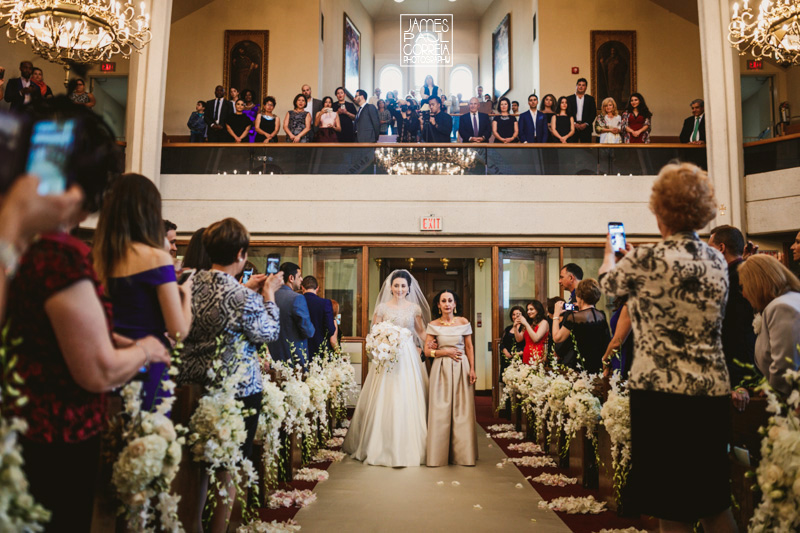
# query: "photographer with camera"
[[436, 124], [587, 324]]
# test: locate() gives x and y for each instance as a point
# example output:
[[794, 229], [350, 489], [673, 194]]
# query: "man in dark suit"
[[532, 123], [19, 91], [583, 109], [367, 123], [217, 112], [321, 312], [694, 127], [438, 127], [296, 326], [313, 105], [738, 337], [475, 127]]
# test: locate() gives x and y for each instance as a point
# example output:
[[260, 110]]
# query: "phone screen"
[[617, 232], [50, 153], [273, 263], [246, 275], [14, 139]]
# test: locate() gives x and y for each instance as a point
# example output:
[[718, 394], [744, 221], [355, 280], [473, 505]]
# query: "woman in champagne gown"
[[452, 437], [389, 426]]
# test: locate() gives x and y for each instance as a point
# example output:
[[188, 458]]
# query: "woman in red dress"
[[636, 121], [534, 332]]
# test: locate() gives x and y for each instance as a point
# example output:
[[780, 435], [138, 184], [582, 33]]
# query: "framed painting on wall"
[[352, 57], [245, 61], [501, 57], [613, 66]]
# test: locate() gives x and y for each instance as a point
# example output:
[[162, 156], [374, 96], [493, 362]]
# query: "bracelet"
[[146, 354], [433, 354]]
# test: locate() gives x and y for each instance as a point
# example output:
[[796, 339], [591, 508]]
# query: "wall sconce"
[[481, 262], [722, 209], [445, 261], [410, 263], [378, 261]]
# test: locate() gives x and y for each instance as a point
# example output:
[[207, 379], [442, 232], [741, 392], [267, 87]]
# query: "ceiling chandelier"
[[774, 31], [83, 31], [445, 161]]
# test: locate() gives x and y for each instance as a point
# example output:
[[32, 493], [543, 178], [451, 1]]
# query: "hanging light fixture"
[[446, 161], [83, 31], [773, 32]]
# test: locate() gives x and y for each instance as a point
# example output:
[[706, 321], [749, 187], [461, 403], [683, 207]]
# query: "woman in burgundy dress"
[[636, 121]]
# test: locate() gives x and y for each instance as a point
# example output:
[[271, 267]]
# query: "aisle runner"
[[362, 498]]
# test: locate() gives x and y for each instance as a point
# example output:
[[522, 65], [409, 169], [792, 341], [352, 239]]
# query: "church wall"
[[196, 53], [331, 50], [773, 201], [522, 54]]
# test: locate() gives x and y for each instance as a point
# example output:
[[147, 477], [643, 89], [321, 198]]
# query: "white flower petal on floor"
[[574, 505]]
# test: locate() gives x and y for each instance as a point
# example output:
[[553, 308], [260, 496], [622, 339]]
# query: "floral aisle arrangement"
[[311, 474], [258, 526], [273, 413], [319, 389], [513, 378], [383, 344], [778, 473], [342, 381], [289, 498], [297, 399], [535, 401], [554, 480], [554, 408], [616, 415], [324, 455], [582, 409]]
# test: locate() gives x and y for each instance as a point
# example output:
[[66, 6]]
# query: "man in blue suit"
[[475, 127], [321, 312], [533, 124], [296, 326]]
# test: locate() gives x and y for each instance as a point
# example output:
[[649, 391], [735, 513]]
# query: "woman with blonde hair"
[[609, 124], [679, 383], [774, 292]]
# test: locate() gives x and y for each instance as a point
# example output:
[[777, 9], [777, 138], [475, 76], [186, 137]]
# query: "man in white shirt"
[[583, 109], [474, 127], [18, 90]]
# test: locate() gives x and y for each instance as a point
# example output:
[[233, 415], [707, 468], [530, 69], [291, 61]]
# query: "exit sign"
[[431, 224], [755, 64], [108, 67]]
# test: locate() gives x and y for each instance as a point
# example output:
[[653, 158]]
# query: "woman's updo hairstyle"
[[401, 274], [437, 313]]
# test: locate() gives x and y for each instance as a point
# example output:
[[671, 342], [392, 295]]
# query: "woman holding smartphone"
[[327, 123], [139, 275]]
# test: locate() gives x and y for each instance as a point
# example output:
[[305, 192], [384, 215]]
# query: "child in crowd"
[[197, 123]]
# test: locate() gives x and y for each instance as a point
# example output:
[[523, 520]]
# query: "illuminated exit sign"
[[431, 223], [755, 64], [108, 67]]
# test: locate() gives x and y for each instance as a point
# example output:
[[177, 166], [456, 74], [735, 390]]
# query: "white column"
[[146, 90], [722, 95]]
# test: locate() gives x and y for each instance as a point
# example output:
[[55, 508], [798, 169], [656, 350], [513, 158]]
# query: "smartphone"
[[51, 153], [185, 275], [15, 136], [617, 232], [569, 307], [246, 275], [273, 263]]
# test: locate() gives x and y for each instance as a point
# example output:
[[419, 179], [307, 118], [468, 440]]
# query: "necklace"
[[453, 321]]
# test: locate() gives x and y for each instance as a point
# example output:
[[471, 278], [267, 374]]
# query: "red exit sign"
[[431, 224], [108, 67], [755, 64]]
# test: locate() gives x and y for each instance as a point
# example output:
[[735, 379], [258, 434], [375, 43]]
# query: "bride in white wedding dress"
[[390, 423]]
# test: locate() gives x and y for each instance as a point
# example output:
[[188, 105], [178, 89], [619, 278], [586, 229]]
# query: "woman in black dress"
[[504, 126], [587, 324], [562, 125], [267, 126], [347, 112], [428, 90], [509, 345], [238, 125], [548, 108]]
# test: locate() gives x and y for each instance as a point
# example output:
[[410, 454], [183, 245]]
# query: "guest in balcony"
[[327, 123], [37, 79], [384, 116], [238, 124], [428, 90], [366, 123], [217, 113], [197, 123], [548, 108], [515, 108], [583, 109], [19, 91], [250, 111], [233, 95], [694, 127], [608, 124], [636, 121], [436, 127], [533, 332], [774, 292], [586, 324], [407, 123], [562, 125], [313, 105], [376, 95], [479, 92], [476, 127], [267, 125], [488, 99], [679, 383], [533, 123], [504, 126], [297, 123], [76, 91], [347, 112]]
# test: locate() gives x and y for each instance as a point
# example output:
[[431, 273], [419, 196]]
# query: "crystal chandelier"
[[774, 31], [84, 31], [445, 161]]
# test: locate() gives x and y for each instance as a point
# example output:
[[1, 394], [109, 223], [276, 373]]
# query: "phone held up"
[[618, 242], [273, 263], [246, 275]]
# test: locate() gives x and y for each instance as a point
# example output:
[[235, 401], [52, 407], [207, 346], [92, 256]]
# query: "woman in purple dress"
[[138, 273], [250, 111]]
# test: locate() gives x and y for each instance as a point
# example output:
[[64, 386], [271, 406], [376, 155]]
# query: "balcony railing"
[[772, 154]]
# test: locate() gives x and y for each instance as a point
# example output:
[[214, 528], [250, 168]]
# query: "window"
[[391, 79], [461, 82]]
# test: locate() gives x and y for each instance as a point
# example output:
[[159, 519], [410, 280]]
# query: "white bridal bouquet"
[[383, 344]]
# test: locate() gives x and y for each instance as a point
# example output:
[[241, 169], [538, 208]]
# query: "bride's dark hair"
[[436, 312], [402, 274]]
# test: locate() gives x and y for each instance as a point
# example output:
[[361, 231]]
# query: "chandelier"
[[84, 31], [774, 31], [445, 161]]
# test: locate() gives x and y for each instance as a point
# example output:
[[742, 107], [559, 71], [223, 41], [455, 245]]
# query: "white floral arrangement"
[[297, 400], [319, 389], [531, 461], [345, 423], [151, 453], [291, 498], [525, 447], [496, 428], [311, 474], [574, 505], [258, 526], [270, 421], [554, 480], [534, 402], [340, 432], [18, 510], [553, 407], [513, 377], [334, 442], [513, 435], [342, 381], [778, 473], [217, 432], [616, 414], [323, 456], [383, 344], [583, 408]]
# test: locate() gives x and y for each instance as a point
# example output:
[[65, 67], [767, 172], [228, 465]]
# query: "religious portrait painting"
[[501, 57], [245, 61], [352, 57], [613, 66]]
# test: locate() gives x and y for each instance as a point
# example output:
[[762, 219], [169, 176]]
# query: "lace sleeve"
[[380, 312], [417, 310]]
